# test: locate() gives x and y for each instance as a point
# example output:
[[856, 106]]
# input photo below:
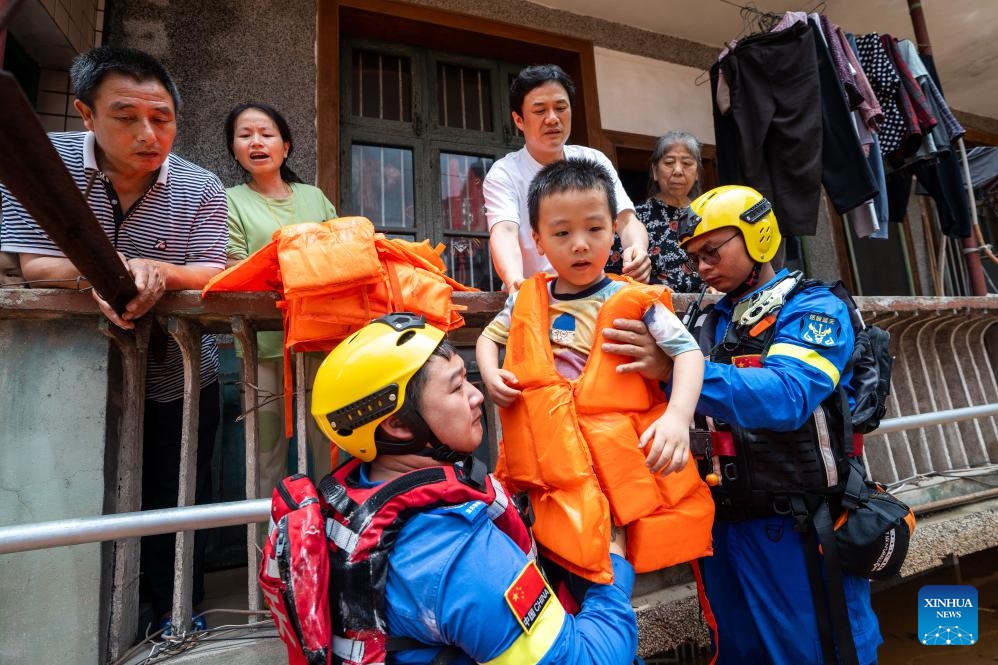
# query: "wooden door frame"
[[390, 20]]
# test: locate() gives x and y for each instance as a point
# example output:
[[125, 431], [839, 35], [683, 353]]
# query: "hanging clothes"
[[843, 70], [845, 174], [914, 106], [947, 128], [950, 174], [771, 140], [872, 116], [886, 83], [868, 109]]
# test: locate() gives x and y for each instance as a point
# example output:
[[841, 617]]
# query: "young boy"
[[592, 447]]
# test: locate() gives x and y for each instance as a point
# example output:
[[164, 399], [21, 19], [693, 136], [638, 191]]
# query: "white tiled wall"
[[55, 102], [82, 23]]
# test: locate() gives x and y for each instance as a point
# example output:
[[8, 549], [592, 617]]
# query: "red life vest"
[[326, 586]]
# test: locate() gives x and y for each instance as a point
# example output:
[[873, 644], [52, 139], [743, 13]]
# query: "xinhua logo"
[[947, 615]]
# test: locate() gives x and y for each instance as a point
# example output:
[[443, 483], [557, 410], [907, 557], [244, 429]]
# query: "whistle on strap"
[[763, 325]]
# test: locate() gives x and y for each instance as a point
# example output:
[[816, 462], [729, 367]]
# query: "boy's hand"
[[499, 386], [669, 449]]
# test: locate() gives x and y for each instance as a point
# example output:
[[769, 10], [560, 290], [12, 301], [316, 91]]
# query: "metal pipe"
[[58, 533], [954, 501], [919, 420]]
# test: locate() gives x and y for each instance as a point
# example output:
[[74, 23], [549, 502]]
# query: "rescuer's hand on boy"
[[630, 337]]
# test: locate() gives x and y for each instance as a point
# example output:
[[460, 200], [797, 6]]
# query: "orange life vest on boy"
[[572, 445]]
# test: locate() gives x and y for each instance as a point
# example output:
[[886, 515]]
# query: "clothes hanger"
[[751, 16]]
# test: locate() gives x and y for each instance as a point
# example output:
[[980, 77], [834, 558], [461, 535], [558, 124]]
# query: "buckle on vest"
[[472, 472], [782, 505], [700, 443], [524, 508]]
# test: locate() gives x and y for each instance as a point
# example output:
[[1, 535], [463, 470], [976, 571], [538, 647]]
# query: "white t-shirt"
[[506, 187]]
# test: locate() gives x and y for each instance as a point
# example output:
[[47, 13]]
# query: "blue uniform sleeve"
[[810, 351], [448, 582]]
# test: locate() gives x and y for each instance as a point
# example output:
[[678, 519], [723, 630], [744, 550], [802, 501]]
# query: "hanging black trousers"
[[772, 138]]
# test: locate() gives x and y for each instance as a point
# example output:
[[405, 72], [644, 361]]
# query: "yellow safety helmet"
[[363, 380], [739, 206]]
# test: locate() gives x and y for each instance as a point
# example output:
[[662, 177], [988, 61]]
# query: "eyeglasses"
[[709, 255]]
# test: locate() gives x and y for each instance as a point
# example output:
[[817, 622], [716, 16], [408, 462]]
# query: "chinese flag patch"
[[742, 362], [528, 595]]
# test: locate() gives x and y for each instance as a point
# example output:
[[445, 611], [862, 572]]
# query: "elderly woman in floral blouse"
[[674, 181]]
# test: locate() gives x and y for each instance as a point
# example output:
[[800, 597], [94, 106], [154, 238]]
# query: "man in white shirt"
[[542, 97]]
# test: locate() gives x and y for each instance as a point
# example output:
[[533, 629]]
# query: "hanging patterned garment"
[[885, 81]]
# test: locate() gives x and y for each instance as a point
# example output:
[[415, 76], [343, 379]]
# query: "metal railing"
[[60, 533], [944, 381]]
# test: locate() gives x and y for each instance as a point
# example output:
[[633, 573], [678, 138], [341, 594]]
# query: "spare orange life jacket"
[[572, 445], [338, 275]]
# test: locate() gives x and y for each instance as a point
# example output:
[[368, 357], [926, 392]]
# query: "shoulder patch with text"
[[819, 329], [528, 595]]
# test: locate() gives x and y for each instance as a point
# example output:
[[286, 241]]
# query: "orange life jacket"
[[573, 447], [338, 275]]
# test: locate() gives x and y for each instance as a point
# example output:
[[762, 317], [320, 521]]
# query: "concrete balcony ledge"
[[481, 306]]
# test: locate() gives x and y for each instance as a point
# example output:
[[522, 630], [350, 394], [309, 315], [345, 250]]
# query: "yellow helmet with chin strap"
[[741, 207], [363, 381]]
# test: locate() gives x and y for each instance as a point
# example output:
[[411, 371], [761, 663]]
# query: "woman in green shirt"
[[259, 139]]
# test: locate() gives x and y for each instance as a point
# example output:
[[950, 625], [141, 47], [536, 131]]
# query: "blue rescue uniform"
[[757, 581], [455, 578]]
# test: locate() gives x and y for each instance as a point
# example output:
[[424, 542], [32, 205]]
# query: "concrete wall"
[[646, 96], [53, 381], [224, 53]]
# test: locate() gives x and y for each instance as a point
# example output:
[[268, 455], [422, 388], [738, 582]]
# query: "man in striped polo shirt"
[[167, 219]]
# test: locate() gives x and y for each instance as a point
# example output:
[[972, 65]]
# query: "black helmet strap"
[[750, 282], [422, 436]]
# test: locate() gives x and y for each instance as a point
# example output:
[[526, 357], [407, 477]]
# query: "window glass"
[[461, 200], [382, 185], [464, 223]]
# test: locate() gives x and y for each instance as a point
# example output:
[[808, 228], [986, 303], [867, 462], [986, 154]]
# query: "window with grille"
[[419, 131], [464, 98], [382, 85]]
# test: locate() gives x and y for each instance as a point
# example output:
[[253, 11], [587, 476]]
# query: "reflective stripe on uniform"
[[531, 647], [806, 356]]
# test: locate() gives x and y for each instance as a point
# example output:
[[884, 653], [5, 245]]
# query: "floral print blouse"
[[661, 220]]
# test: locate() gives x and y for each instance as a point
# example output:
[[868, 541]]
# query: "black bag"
[[873, 529], [871, 365]]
